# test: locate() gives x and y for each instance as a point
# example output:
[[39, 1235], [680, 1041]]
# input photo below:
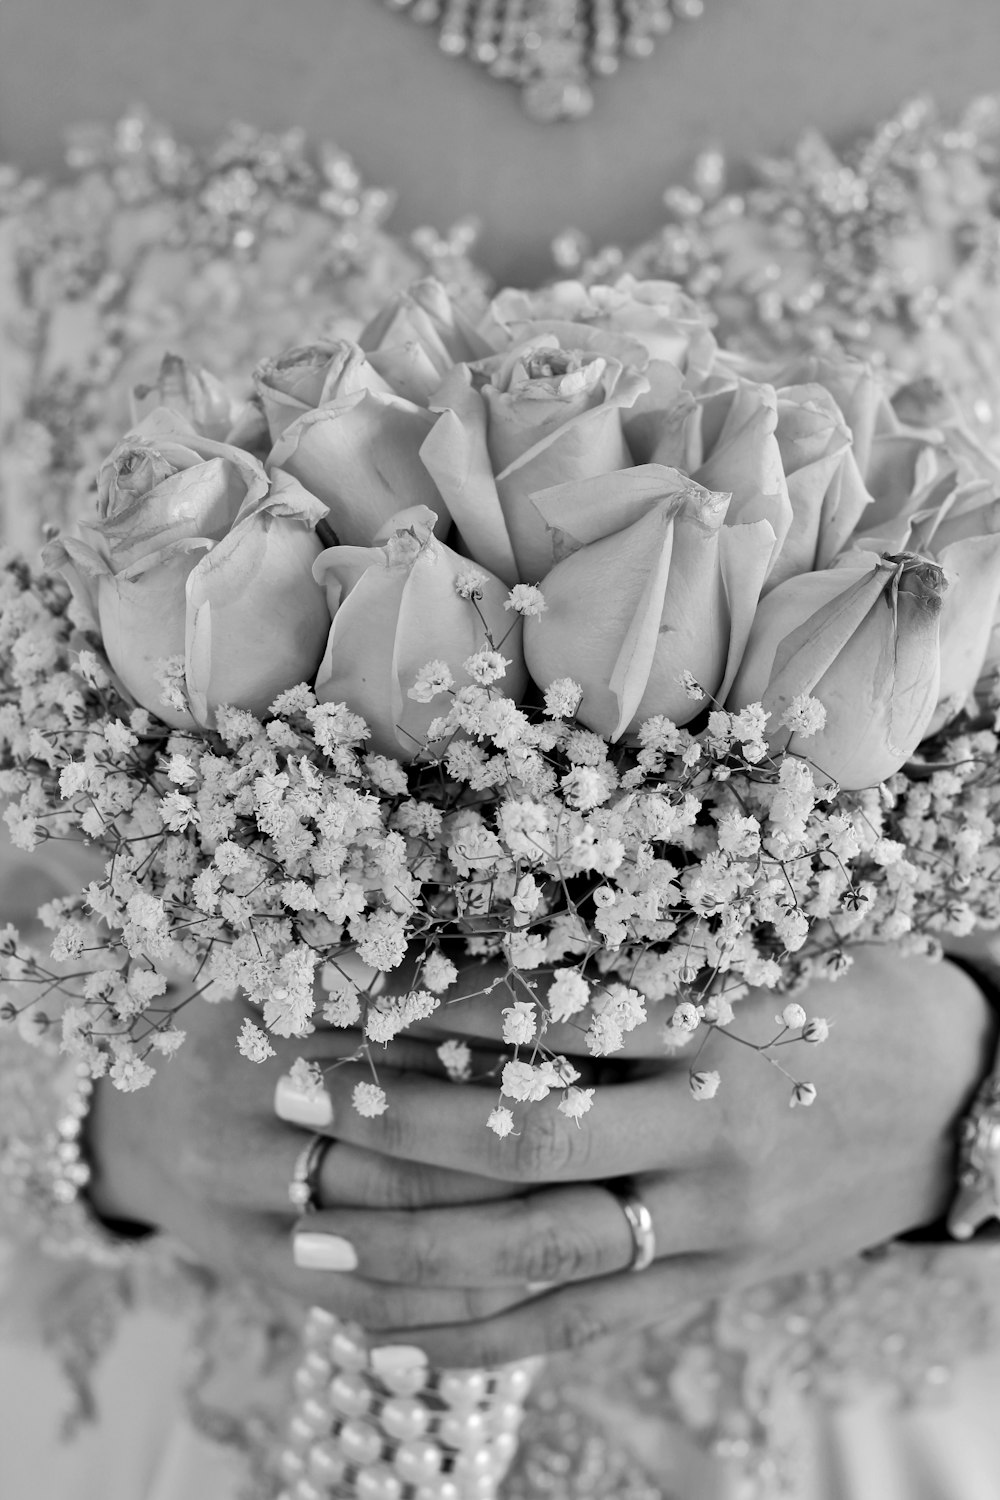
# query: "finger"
[[406, 1052], [556, 1235], [645, 1125], [261, 1248], [349, 1176], [669, 1294], [476, 1015]]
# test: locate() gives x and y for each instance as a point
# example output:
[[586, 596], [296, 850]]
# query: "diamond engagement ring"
[[640, 1223], [303, 1190]]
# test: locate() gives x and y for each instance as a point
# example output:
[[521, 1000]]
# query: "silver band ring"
[[640, 1223], [303, 1190]]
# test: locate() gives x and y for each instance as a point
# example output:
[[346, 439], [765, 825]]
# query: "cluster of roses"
[[561, 633], [668, 516]]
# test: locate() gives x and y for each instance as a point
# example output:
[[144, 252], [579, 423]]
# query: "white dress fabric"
[[875, 1381]]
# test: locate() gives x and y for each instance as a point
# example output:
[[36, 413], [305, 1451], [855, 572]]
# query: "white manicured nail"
[[313, 1109], [397, 1359], [323, 1252]]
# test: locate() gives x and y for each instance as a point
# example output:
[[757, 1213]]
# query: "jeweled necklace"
[[551, 48]]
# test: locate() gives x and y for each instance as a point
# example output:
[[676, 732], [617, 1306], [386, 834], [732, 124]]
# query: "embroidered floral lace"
[[894, 250]]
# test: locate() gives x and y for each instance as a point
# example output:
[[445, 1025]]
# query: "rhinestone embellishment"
[[550, 48]]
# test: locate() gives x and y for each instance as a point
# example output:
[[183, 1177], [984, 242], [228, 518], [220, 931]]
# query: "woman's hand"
[[201, 1154], [740, 1189]]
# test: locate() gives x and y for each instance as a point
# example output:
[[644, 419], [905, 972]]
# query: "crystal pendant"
[[551, 48]]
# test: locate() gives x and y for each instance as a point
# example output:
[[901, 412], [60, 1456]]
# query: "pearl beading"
[[550, 48], [382, 1429]]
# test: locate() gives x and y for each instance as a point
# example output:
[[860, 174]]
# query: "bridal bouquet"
[[563, 641]]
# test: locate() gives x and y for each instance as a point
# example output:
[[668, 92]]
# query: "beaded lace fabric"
[[893, 249]]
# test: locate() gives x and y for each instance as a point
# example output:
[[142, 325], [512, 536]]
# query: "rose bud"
[[972, 568], [417, 337], [395, 608], [863, 638], [360, 455], [656, 314], [515, 424], [658, 586], [312, 375], [195, 557], [193, 393]]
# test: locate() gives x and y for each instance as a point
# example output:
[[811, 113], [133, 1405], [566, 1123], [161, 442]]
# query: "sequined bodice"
[[894, 251]]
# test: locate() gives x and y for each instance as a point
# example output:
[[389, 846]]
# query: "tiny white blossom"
[[816, 1029], [469, 583], [568, 994], [793, 1016], [686, 1017], [501, 1121], [526, 599], [562, 698], [802, 1093], [437, 972], [519, 1023], [253, 1043], [435, 677], [180, 770], [692, 688], [519, 1080], [119, 737], [369, 1100], [576, 1103], [486, 667], [705, 1085], [456, 1059], [805, 715]]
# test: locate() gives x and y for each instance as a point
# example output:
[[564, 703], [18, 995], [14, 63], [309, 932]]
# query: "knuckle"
[[420, 1259], [549, 1249], [576, 1324], [544, 1148]]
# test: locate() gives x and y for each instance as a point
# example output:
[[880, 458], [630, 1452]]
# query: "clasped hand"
[[434, 1231]]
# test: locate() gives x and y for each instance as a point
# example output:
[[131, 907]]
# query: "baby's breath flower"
[[705, 1085], [435, 677], [437, 972], [804, 715], [456, 1059], [526, 599], [568, 994], [562, 698], [576, 1103], [171, 677], [523, 1081], [686, 1017], [486, 667], [519, 1023], [501, 1121], [802, 1093], [816, 1029], [793, 1016], [180, 769], [692, 688], [119, 737], [294, 700], [369, 1100], [253, 1043], [469, 583]]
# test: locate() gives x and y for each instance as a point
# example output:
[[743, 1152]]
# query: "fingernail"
[[389, 1360], [313, 1109], [323, 1252]]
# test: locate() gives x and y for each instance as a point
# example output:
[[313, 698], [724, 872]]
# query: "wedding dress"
[[875, 1380]]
